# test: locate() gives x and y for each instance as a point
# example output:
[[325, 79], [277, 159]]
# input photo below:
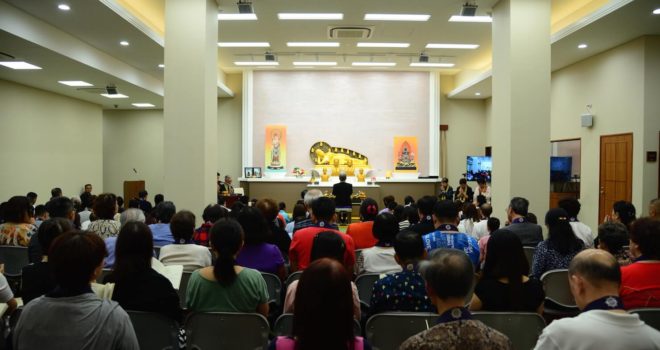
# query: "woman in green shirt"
[[227, 287]]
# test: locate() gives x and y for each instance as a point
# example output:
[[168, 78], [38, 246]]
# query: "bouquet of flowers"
[[298, 172]]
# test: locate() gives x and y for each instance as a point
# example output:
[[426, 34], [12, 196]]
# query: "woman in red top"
[[640, 281], [361, 232]]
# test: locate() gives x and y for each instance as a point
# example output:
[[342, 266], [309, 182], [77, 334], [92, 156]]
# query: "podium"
[[131, 189]]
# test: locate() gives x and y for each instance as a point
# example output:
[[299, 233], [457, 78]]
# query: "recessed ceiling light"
[[312, 44], [257, 63], [428, 64], [142, 105], [161, 66], [64, 7], [243, 44], [124, 43], [237, 17], [399, 45], [583, 46], [114, 95], [479, 19], [452, 46], [395, 17], [19, 65], [656, 11], [311, 16], [314, 63], [477, 94], [373, 64], [74, 83]]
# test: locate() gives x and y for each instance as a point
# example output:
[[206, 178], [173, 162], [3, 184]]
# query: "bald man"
[[594, 277]]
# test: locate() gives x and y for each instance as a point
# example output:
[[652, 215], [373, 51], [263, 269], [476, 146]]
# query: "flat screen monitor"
[[560, 169], [479, 167]]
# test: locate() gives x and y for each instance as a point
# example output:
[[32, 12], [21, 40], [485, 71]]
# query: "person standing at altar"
[[342, 192], [227, 186]]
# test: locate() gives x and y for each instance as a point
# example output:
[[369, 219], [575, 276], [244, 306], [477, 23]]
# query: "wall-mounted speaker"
[[587, 120]]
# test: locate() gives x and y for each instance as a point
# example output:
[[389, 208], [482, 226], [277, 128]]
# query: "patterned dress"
[[16, 234], [458, 335], [105, 228], [546, 258], [402, 291]]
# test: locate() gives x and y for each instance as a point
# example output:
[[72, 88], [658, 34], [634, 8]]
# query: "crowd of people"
[[444, 253]]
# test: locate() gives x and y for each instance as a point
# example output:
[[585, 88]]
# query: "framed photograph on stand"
[[249, 173], [256, 172]]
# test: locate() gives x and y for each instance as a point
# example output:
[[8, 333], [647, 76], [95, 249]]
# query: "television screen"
[[479, 167], [560, 169]]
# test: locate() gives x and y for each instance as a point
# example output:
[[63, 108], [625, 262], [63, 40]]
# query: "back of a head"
[[213, 213], [425, 205], [49, 230], [134, 203], [328, 244], [626, 212], [311, 196], [182, 226], [74, 256], [133, 251], [531, 218], [470, 212], [387, 200], [385, 228], [165, 211], [614, 235], [131, 215], [411, 214], [449, 273], [226, 240], [408, 200], [342, 176], [368, 209], [398, 213], [299, 212], [445, 211], [409, 247], [281, 205], [317, 322], [159, 198], [560, 233], [493, 224], [32, 197], [60, 207], [571, 205], [506, 258], [268, 208], [255, 227], [56, 192], [40, 210], [598, 267], [142, 194], [105, 206], [645, 233], [323, 209], [17, 209], [486, 210], [519, 205]]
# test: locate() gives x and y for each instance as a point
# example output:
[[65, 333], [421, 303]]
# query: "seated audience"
[[128, 215], [530, 234], [582, 231], [403, 291], [17, 228], [463, 193], [105, 208], [399, 215], [184, 251], [310, 197], [492, 224], [256, 253], [613, 237], [361, 232], [623, 212], [283, 212], [594, 279], [449, 278], [137, 286], [425, 210], [481, 228], [504, 285], [323, 215], [60, 207], [408, 201], [654, 209], [226, 286], [72, 316], [447, 235], [640, 281], [558, 250], [277, 236], [318, 323], [299, 214], [40, 215], [212, 213], [387, 201], [161, 230], [380, 258], [411, 214], [36, 279], [471, 217], [7, 296], [326, 245]]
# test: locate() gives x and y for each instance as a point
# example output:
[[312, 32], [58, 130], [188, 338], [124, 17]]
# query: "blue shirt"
[[110, 244], [162, 234], [401, 291], [455, 240]]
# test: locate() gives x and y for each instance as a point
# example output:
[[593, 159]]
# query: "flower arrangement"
[[298, 172]]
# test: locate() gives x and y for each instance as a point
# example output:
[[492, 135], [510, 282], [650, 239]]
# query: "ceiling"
[[97, 26]]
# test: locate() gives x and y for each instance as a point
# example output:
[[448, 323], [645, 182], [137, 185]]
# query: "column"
[[191, 108], [521, 104]]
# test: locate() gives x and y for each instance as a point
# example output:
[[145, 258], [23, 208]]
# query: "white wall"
[[651, 129], [230, 117], [47, 141]]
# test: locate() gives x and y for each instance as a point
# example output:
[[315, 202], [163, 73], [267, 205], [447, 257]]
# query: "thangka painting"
[[275, 148], [405, 153]]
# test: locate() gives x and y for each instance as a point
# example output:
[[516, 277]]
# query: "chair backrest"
[[650, 316], [226, 330], [359, 261], [529, 254], [522, 328], [365, 286], [292, 277], [274, 286], [185, 277], [14, 258], [284, 326], [555, 283], [388, 330], [154, 331]]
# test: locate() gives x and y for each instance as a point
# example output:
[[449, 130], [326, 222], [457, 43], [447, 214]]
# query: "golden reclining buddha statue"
[[337, 159]]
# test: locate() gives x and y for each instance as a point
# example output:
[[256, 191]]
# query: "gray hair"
[[131, 214], [311, 196], [342, 176]]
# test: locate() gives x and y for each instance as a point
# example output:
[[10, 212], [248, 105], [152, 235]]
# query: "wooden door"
[[615, 171], [131, 190]]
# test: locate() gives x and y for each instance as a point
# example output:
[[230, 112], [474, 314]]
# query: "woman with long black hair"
[[562, 244]]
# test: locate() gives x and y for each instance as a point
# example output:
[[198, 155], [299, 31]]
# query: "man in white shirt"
[[595, 278], [582, 231]]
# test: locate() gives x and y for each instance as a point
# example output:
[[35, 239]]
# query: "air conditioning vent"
[[350, 32]]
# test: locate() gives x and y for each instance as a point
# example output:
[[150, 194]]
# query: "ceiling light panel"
[[114, 95], [257, 63], [477, 19], [452, 46], [432, 65], [64, 7], [314, 63], [312, 44], [243, 44], [396, 17], [310, 16], [373, 64], [237, 17], [75, 83], [142, 105], [21, 65], [391, 45]]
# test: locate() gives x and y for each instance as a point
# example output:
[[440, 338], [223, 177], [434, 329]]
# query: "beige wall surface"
[[650, 171], [230, 118], [362, 111], [47, 141]]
